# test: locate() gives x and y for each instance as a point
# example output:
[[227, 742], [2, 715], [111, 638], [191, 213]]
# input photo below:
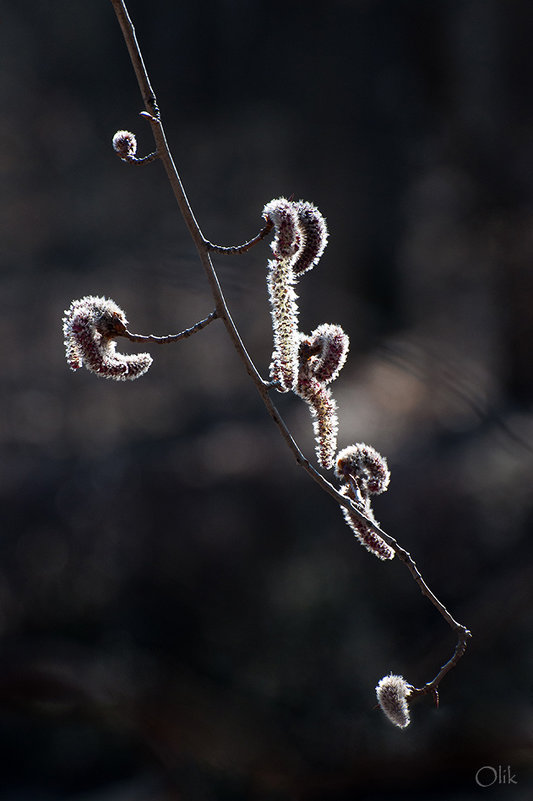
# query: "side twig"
[[236, 250], [170, 337], [140, 161]]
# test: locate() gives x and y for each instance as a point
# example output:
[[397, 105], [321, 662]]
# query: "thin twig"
[[463, 636], [140, 160], [164, 340], [203, 247], [236, 250]]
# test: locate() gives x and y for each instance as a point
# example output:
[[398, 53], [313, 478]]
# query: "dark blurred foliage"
[[184, 614]]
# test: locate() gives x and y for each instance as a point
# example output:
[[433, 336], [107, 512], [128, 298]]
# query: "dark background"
[[183, 613]]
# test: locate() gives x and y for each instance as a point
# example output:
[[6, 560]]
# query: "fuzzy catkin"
[[321, 356], [365, 465], [313, 237], [89, 327], [392, 692], [300, 238], [283, 298], [366, 536], [323, 409], [125, 144], [328, 348], [363, 472]]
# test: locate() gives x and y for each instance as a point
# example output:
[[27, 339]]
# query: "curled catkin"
[[364, 472], [365, 466], [282, 214], [392, 692], [313, 237], [327, 347], [321, 356], [300, 238], [90, 326]]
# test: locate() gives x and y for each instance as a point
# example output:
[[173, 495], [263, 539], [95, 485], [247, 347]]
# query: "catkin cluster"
[[304, 364], [307, 364], [301, 236]]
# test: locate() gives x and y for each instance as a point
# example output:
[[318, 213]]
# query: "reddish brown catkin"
[[321, 356], [89, 327]]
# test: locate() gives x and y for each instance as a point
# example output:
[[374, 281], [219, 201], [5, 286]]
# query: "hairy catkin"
[[89, 327]]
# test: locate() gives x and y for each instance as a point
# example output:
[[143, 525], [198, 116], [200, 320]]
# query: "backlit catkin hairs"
[[366, 466], [313, 237], [90, 326], [321, 355], [280, 282], [301, 236], [364, 472], [392, 692], [326, 349], [125, 144]]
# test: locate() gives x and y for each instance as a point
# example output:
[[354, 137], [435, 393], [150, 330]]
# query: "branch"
[[204, 247]]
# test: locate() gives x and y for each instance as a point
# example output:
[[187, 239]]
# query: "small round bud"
[[391, 693], [125, 144]]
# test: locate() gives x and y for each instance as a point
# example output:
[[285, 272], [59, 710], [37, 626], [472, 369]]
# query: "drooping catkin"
[[300, 238], [280, 282], [313, 237], [363, 472], [321, 356]]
